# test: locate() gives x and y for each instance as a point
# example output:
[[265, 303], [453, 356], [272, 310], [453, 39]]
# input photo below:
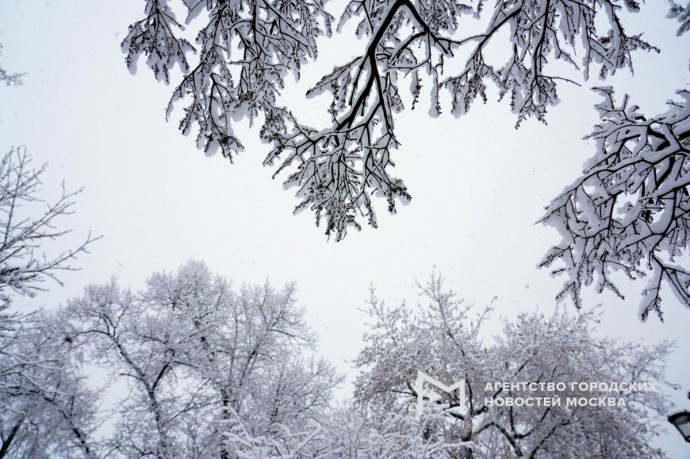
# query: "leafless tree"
[[46, 407], [27, 223], [213, 372], [248, 46], [630, 211], [444, 339]]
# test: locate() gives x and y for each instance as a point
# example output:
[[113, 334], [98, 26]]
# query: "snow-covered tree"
[[630, 211], [212, 371], [27, 222], [247, 47], [46, 408], [444, 339]]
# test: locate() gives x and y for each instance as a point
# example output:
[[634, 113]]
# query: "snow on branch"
[[231, 369], [10, 79], [682, 15], [154, 37], [26, 223], [539, 31], [246, 49], [338, 169], [248, 46], [630, 211], [439, 339], [46, 407]]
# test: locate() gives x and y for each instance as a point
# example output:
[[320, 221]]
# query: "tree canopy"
[[27, 220], [47, 407], [532, 356], [625, 213], [208, 370], [246, 48]]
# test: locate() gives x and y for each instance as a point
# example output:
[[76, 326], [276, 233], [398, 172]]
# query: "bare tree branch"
[[248, 46], [27, 222], [630, 211]]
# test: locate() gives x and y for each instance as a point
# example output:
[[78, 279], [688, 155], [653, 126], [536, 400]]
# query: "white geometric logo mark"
[[433, 396]]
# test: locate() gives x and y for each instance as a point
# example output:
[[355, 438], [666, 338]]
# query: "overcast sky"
[[478, 184]]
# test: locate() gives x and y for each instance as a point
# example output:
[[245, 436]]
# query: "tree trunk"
[[8, 441]]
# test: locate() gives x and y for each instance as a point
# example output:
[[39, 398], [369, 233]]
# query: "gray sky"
[[478, 185]]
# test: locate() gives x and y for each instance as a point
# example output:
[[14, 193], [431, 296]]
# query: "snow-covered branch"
[[444, 338], [27, 222], [210, 368], [630, 211], [249, 46]]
